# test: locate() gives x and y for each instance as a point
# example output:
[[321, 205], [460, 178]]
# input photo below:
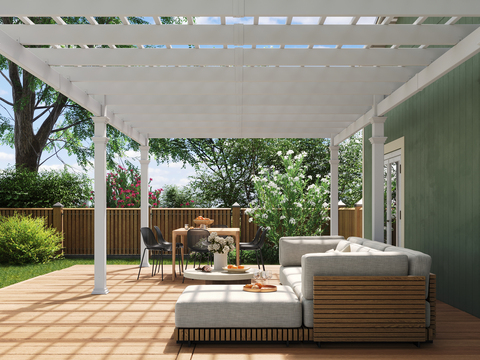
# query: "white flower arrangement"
[[219, 244]]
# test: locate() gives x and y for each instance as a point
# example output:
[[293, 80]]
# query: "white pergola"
[[312, 81]]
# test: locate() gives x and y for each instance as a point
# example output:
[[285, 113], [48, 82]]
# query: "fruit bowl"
[[204, 221]]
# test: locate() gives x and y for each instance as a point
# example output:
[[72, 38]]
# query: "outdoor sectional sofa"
[[334, 290]]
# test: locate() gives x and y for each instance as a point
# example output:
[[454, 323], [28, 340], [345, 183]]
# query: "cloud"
[[3, 92], [52, 167], [5, 156], [272, 20]]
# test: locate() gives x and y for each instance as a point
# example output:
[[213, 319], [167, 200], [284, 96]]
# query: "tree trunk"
[[28, 145]]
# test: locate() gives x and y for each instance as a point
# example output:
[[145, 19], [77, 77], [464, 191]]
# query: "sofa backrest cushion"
[[419, 264], [356, 240], [350, 264], [342, 244], [374, 244], [291, 249]]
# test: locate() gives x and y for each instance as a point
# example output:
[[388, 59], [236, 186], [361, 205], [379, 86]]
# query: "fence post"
[[58, 218], [236, 215]]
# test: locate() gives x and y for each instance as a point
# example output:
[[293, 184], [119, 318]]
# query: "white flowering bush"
[[286, 205], [220, 245]]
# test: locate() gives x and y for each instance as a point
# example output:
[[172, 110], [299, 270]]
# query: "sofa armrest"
[[350, 264], [291, 249]]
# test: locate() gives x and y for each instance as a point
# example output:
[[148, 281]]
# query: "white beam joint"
[[238, 8]]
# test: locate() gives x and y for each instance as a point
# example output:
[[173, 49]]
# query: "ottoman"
[[228, 306]]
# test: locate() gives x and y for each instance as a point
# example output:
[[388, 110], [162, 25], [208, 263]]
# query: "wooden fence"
[[123, 225]]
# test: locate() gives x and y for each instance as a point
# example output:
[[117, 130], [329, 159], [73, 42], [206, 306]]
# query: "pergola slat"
[[241, 8], [252, 35]]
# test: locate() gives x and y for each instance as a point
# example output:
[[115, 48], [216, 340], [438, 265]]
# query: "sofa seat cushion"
[[350, 264], [228, 306]]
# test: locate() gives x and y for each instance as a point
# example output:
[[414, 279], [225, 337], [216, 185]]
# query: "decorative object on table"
[[200, 220], [187, 226], [259, 288], [267, 275], [220, 246], [235, 269], [206, 268]]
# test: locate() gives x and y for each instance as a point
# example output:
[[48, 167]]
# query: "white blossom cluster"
[[219, 244]]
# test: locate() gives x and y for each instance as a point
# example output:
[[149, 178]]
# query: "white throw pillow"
[[346, 249]]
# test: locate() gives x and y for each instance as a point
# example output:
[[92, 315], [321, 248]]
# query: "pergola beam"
[[251, 57], [120, 110], [240, 8], [252, 35], [248, 100], [228, 87], [250, 74]]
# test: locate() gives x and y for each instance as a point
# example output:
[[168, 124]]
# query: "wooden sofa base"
[[371, 309], [348, 309], [243, 334]]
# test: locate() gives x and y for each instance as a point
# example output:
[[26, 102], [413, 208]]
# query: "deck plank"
[[54, 317]]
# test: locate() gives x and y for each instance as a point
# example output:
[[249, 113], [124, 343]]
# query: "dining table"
[[182, 232]]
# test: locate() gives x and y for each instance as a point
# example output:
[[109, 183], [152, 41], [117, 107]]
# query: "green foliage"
[[287, 205], [350, 171], [224, 167], [25, 240], [176, 197], [22, 188]]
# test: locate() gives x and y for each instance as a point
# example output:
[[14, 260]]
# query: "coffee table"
[[218, 277]]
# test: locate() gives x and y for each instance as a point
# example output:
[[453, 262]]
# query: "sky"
[[162, 174]]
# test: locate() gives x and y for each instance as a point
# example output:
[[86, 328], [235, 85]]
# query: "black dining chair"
[[197, 240], [168, 245], [151, 244], [257, 246], [248, 245]]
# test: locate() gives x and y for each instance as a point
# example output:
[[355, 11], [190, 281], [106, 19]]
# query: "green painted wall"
[[441, 127]]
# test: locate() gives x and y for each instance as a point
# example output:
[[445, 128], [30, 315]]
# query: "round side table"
[[220, 276]]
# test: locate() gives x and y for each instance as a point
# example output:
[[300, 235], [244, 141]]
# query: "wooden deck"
[[55, 317]]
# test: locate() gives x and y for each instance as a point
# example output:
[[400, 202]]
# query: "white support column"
[[377, 140], [333, 188], [100, 250], [144, 209]]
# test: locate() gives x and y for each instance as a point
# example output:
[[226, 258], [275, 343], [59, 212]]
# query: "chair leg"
[[261, 257], [153, 265], [256, 255], [141, 262]]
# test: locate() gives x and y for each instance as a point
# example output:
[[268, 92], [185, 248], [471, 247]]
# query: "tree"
[[46, 120], [224, 167]]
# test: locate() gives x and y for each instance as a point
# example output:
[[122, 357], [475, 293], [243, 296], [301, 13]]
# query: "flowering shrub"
[[220, 244], [123, 189], [286, 206]]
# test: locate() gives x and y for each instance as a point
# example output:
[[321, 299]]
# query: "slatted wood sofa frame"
[[347, 309]]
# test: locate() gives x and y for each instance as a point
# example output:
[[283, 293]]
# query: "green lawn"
[[11, 274]]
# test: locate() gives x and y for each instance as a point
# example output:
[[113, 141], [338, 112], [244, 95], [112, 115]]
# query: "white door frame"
[[394, 151]]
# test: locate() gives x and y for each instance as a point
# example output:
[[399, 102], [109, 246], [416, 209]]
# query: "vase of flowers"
[[220, 246]]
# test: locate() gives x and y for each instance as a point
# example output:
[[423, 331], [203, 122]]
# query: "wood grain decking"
[[55, 317]]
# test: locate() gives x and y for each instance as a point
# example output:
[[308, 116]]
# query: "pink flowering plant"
[[123, 189]]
